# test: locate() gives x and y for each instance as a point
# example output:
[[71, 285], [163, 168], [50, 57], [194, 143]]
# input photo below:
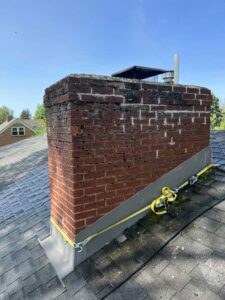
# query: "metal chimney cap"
[[139, 72]]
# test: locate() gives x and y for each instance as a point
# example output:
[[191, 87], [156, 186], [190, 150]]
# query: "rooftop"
[[167, 257]]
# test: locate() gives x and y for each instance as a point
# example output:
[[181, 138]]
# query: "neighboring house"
[[16, 130]]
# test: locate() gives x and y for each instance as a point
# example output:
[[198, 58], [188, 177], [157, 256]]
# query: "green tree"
[[40, 112], [25, 114], [222, 124], [216, 113], [5, 114], [223, 111]]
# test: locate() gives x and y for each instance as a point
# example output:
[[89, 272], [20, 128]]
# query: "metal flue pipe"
[[176, 68]]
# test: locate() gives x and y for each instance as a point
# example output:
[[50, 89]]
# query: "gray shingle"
[[174, 277], [11, 275], [26, 268], [132, 290], [221, 206], [180, 257], [46, 273], [74, 282], [206, 277], [216, 214], [155, 287], [208, 239], [221, 231], [156, 264], [207, 224], [31, 283], [194, 292], [85, 293], [216, 262]]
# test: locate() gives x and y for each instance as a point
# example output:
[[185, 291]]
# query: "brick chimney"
[[110, 143], [9, 118]]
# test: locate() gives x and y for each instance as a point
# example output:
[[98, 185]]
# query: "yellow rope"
[[66, 238]]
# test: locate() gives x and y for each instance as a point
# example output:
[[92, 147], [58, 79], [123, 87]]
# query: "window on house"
[[18, 131], [14, 131], [21, 131]]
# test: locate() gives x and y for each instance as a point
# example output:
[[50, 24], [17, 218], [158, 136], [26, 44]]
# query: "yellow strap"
[[167, 193], [198, 175], [119, 222], [66, 238], [204, 170]]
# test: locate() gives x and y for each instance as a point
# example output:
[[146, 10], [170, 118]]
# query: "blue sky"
[[45, 40]]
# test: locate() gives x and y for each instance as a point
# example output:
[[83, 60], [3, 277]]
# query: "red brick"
[[102, 150], [180, 89], [114, 99], [192, 90], [92, 98]]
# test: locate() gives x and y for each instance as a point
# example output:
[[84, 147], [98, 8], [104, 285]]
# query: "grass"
[[221, 127]]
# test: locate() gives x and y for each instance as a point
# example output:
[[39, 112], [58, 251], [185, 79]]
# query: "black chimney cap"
[[138, 72]]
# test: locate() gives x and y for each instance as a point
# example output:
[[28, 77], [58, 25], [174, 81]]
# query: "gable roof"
[[4, 124], [35, 124], [30, 124]]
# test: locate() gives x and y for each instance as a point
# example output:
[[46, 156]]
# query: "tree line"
[[217, 116], [7, 114]]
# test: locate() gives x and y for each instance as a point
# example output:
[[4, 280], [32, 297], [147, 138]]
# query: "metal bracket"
[[192, 180]]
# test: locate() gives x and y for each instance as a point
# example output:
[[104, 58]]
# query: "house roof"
[[4, 124], [160, 258], [34, 124], [31, 124]]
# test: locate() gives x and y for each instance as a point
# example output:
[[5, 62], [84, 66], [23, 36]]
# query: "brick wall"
[[109, 138]]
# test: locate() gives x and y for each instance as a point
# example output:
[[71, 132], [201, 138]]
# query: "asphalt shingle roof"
[[142, 267], [19, 159], [218, 148]]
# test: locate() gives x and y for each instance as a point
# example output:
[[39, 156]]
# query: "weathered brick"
[[109, 138]]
